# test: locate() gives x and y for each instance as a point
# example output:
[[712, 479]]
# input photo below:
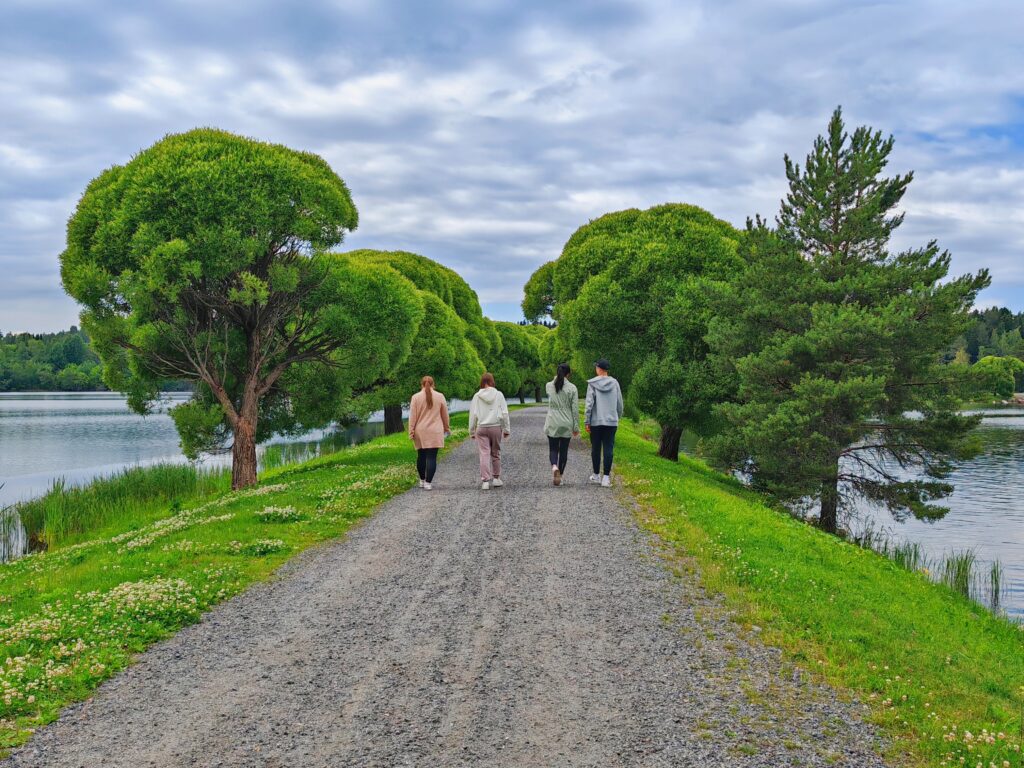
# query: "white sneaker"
[[497, 482], [485, 486], [595, 478], [606, 481], [422, 482], [427, 487]]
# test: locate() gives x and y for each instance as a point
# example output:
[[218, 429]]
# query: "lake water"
[[986, 509]]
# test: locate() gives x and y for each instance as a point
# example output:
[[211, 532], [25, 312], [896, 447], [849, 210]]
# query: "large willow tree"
[[451, 343], [633, 286], [204, 258]]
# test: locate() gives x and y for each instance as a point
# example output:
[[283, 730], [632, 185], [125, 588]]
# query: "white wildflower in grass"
[[257, 548], [145, 536], [185, 545], [67, 643], [279, 515], [259, 490]]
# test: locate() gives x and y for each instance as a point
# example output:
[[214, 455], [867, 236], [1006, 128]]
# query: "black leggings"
[[426, 463], [558, 450], [602, 438]]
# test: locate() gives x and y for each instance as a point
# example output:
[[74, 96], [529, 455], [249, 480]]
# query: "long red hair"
[[427, 382]]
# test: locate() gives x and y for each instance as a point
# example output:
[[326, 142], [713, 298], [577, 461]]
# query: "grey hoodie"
[[604, 402]]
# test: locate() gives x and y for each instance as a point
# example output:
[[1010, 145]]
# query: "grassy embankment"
[[941, 676], [133, 559]]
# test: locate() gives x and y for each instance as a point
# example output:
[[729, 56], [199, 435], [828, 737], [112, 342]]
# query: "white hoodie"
[[488, 409]]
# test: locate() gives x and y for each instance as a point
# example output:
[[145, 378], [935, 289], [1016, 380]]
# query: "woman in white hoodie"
[[488, 424]]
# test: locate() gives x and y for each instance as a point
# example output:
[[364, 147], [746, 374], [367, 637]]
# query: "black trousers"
[[558, 450], [602, 440], [426, 463]]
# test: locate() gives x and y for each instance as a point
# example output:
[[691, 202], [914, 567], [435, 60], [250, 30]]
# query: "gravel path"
[[525, 626]]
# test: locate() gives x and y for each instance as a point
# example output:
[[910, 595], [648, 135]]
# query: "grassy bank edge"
[[233, 549], [940, 676]]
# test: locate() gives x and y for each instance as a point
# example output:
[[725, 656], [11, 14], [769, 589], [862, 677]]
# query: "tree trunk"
[[522, 396], [829, 519], [537, 394], [668, 448], [243, 455], [393, 419]]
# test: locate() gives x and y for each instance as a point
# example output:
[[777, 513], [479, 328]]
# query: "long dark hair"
[[487, 380], [563, 371]]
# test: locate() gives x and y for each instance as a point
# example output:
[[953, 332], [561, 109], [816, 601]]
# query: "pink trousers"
[[488, 441]]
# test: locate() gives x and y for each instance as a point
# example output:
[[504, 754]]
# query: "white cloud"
[[484, 134]]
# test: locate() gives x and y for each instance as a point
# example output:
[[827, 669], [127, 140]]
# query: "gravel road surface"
[[525, 626]]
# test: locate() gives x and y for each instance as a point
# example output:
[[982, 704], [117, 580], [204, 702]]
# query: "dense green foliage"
[[75, 615], [997, 375], [451, 342], [203, 259], [544, 340], [838, 343], [633, 286], [932, 668], [60, 361], [994, 331], [517, 366]]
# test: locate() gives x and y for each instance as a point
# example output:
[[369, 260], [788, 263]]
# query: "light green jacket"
[[563, 419]]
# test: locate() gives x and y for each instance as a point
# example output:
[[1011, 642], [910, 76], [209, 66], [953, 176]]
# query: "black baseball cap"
[[603, 364]]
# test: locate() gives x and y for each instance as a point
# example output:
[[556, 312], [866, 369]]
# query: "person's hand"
[[412, 435], [447, 434], [506, 434], [587, 427], [576, 433]]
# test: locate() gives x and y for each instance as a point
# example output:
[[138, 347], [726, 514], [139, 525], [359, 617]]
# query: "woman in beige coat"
[[428, 427]]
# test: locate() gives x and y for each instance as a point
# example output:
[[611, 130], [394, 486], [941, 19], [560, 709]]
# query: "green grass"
[[138, 567], [942, 676], [63, 514]]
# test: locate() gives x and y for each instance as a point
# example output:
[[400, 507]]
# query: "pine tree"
[[837, 343]]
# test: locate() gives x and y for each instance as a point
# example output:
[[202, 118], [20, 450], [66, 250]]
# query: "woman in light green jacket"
[[563, 420]]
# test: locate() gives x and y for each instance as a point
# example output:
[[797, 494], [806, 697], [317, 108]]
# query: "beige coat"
[[428, 425]]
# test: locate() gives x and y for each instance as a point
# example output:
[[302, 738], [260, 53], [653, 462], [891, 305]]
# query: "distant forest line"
[[65, 362], [51, 362]]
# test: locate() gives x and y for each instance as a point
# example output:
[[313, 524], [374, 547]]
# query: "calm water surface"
[[986, 509]]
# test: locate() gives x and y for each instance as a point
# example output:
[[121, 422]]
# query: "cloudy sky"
[[482, 134]]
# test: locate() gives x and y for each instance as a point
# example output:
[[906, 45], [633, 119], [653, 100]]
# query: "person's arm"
[[588, 409], [414, 417], [444, 417], [620, 406], [506, 424], [472, 417], [575, 404]]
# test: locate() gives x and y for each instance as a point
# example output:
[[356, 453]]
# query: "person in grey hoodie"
[[488, 424], [601, 419]]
